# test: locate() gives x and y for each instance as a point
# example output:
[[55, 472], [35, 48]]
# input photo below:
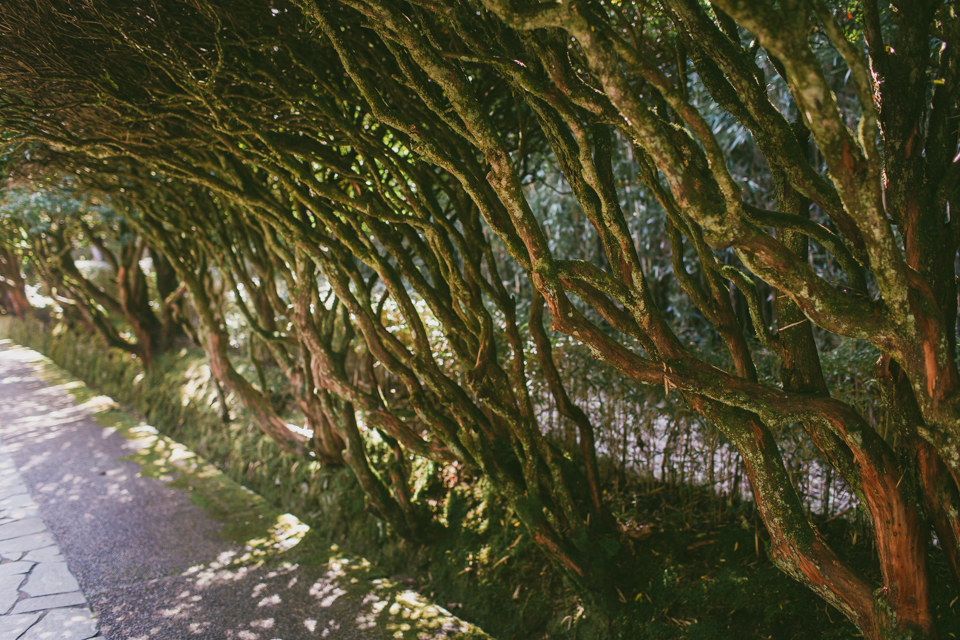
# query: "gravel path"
[[151, 563]]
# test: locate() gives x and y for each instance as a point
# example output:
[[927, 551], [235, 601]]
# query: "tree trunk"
[[12, 285]]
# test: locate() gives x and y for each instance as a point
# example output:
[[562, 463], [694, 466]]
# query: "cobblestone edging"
[[39, 597]]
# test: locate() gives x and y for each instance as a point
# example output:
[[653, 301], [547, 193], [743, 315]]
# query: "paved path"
[[152, 564], [39, 597]]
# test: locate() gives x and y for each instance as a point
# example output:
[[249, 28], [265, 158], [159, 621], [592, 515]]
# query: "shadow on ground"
[[166, 546]]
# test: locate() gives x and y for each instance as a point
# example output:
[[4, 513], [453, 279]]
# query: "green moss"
[[699, 575], [266, 534]]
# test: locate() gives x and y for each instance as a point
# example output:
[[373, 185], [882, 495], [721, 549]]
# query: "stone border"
[[39, 597]]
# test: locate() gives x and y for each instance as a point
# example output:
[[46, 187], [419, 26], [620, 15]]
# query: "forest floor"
[[164, 545]]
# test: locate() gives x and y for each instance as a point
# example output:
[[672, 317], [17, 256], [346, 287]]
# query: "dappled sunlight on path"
[[166, 546]]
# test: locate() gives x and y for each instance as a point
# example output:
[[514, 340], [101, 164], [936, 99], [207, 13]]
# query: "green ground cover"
[[706, 571]]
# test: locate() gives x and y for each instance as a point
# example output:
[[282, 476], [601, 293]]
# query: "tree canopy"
[[410, 202]]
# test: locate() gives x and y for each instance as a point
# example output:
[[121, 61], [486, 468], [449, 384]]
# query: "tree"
[[387, 143], [12, 284], [55, 225]]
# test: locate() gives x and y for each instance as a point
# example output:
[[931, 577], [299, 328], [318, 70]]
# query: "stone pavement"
[[39, 597], [122, 503]]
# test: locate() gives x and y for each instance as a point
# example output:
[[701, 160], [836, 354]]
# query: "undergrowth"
[[704, 569]]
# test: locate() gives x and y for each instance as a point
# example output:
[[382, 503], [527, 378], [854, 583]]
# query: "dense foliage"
[[418, 213]]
